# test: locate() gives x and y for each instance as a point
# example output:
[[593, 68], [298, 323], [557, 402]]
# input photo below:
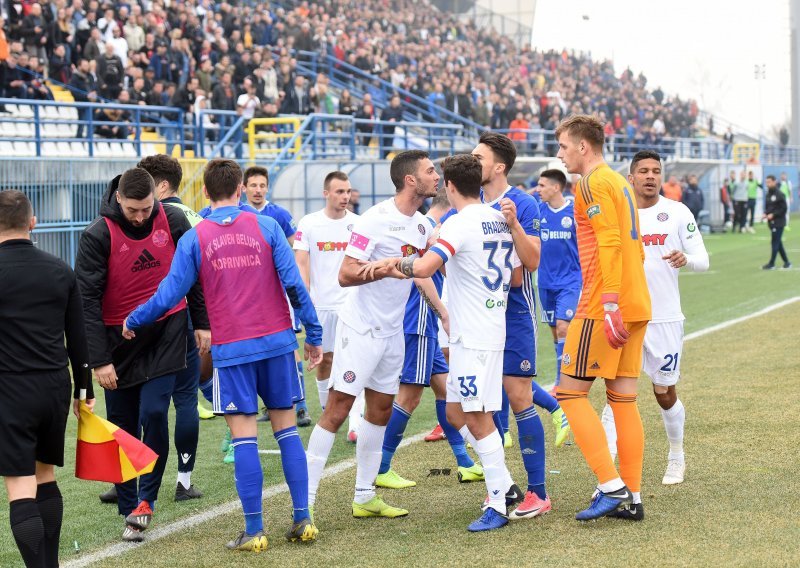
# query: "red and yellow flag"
[[106, 452]]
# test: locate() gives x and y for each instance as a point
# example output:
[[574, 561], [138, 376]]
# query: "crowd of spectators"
[[239, 56]]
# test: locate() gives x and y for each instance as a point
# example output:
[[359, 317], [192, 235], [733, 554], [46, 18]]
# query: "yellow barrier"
[[746, 153], [273, 139], [191, 189]]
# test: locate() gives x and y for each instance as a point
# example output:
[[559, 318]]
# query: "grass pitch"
[[735, 508]]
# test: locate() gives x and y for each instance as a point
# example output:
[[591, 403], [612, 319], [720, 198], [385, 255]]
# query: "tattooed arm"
[[428, 293]]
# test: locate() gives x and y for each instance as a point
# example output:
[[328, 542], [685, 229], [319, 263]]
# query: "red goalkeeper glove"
[[616, 334]]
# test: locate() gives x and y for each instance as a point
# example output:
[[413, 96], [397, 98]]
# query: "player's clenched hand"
[[127, 333], [378, 269], [509, 211], [203, 339], [616, 334], [76, 406], [312, 354], [106, 376], [676, 259]]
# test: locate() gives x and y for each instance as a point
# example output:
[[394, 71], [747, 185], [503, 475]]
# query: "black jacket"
[[776, 205], [39, 306], [158, 349], [693, 199]]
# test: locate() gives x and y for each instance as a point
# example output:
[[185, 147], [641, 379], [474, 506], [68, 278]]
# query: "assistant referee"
[[40, 303]]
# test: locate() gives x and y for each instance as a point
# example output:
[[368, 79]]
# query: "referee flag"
[[105, 452]]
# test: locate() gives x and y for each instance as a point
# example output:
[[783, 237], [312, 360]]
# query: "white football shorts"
[[366, 362], [663, 349], [475, 379], [328, 319]]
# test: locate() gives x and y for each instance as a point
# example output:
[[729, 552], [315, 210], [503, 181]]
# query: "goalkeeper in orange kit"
[[605, 338]]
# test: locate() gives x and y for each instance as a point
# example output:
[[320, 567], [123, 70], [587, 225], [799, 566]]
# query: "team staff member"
[[122, 257], [40, 303]]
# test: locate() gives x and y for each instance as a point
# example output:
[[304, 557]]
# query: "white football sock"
[[674, 421], [467, 435], [356, 412], [607, 419], [637, 497], [185, 478], [611, 486], [492, 455], [369, 450], [322, 389], [319, 448]]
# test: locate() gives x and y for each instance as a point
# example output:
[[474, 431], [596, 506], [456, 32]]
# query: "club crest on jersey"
[[570, 313], [350, 227], [654, 240], [408, 250], [662, 216], [421, 229], [349, 377], [160, 238], [592, 211], [525, 366], [566, 359], [536, 224], [566, 222]]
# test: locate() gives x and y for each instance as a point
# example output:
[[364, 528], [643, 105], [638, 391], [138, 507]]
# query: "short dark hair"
[[464, 172], [502, 147], [222, 177], [644, 155], [556, 176], [255, 171], [583, 127], [15, 211], [405, 164], [772, 177], [136, 183], [341, 176], [440, 199], [163, 168]]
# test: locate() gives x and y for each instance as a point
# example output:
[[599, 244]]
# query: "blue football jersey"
[[419, 318], [560, 266]]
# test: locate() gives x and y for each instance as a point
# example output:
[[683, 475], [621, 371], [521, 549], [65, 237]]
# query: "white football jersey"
[[477, 246], [383, 232], [325, 240], [668, 226]]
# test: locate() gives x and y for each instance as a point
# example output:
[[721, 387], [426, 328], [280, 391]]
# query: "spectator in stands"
[[34, 32], [693, 197], [134, 33], [296, 100], [62, 33], [365, 114], [185, 96], [110, 71], [95, 47], [120, 45], [394, 114], [481, 112], [14, 86], [460, 102], [107, 124], [353, 204], [672, 189], [248, 103], [160, 64], [519, 132], [83, 85], [205, 75], [35, 78], [346, 103], [4, 50], [321, 98], [60, 67], [138, 92]]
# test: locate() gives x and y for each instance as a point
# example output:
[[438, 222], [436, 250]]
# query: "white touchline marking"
[[725, 324], [158, 533]]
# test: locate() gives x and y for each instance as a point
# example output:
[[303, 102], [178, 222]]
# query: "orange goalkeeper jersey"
[[610, 246]]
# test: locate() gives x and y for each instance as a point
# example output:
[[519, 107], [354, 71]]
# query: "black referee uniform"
[[40, 302]]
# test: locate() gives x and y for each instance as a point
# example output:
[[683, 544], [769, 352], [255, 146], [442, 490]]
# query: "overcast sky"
[[703, 49]]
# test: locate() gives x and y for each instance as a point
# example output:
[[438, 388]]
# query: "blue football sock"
[[207, 388], [300, 405], [453, 436], [543, 398], [498, 423], [531, 445], [249, 479], [503, 415], [295, 470], [394, 433], [559, 356]]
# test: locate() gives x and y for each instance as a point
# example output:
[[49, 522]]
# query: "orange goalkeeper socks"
[[589, 433], [630, 437]]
